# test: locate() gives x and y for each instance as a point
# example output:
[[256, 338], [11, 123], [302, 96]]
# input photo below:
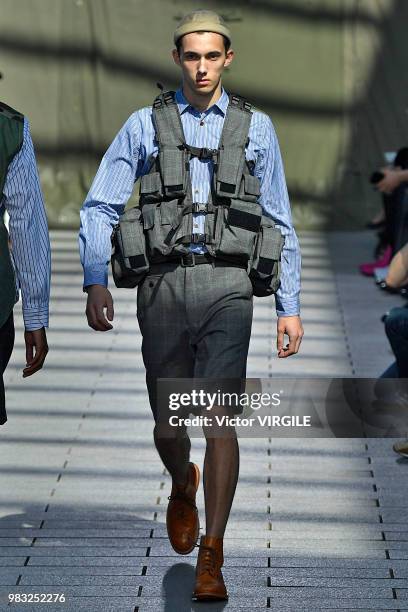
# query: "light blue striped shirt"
[[127, 159], [28, 229]]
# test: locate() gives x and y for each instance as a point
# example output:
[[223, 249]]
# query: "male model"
[[207, 163], [30, 246]]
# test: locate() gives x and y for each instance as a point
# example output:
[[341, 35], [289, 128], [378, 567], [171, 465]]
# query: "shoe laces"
[[184, 498], [207, 559]]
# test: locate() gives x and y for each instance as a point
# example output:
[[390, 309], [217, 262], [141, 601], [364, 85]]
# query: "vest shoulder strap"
[[237, 122], [234, 138], [170, 135], [11, 138], [167, 120]]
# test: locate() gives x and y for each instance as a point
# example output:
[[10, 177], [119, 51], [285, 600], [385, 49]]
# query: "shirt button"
[[201, 123]]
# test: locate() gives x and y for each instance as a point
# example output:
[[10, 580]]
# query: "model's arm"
[[275, 203], [397, 275], [105, 202], [392, 179], [30, 248]]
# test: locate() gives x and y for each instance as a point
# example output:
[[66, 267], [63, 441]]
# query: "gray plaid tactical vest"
[[235, 228], [11, 138]]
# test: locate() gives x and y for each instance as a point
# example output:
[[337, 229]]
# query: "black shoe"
[[385, 287], [401, 290], [375, 226]]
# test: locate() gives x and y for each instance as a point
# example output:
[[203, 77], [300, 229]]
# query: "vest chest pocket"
[[250, 188], [129, 261], [159, 223], [237, 229], [171, 220], [169, 212], [152, 229], [151, 189], [266, 263]]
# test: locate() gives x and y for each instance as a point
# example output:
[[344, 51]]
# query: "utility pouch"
[[250, 188], [161, 223], [129, 261], [151, 188], [266, 263], [229, 172], [236, 230], [173, 166]]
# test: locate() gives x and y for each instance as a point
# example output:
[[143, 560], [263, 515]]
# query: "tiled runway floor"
[[316, 523]]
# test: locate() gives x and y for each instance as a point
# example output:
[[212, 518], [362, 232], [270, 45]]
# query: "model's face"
[[202, 60]]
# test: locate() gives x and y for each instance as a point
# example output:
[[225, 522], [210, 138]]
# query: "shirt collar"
[[221, 104]]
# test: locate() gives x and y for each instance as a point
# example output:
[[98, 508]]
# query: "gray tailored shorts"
[[195, 323]]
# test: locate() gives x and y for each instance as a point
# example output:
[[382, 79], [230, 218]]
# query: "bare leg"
[[175, 454], [220, 477]]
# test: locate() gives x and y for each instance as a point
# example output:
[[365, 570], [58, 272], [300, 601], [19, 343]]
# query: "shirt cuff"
[[287, 307], [96, 275], [35, 318]]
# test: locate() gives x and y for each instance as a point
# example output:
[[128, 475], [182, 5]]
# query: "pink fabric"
[[368, 268]]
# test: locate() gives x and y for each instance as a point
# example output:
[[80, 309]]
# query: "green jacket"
[[11, 140]]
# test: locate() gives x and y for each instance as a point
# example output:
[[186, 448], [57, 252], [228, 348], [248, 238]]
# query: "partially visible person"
[[398, 271], [25, 260], [392, 182], [396, 279], [396, 328], [393, 178]]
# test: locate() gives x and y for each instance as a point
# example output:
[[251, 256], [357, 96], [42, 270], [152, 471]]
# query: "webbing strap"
[[169, 128], [201, 153], [169, 131], [233, 140]]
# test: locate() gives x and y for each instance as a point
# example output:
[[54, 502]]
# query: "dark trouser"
[[6, 348], [396, 215], [396, 328], [195, 322]]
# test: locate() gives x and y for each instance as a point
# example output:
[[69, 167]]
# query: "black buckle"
[[187, 260], [206, 153], [168, 98], [196, 238], [199, 207]]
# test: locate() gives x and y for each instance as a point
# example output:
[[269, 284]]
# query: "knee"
[[165, 436], [396, 322], [222, 440]]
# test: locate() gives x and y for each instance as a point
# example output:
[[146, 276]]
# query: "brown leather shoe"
[[209, 585], [182, 515]]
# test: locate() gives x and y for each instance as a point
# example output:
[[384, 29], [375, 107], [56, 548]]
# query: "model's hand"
[[99, 298], [35, 340], [392, 179], [292, 326]]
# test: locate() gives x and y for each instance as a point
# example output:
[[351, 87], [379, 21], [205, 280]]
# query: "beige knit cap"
[[201, 21]]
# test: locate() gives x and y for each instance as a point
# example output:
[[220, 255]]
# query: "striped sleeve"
[[29, 237], [275, 202], [106, 200]]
